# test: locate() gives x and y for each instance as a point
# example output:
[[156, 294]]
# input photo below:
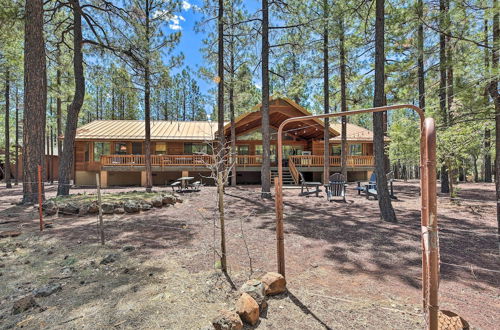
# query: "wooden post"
[[40, 197], [280, 240], [101, 225]]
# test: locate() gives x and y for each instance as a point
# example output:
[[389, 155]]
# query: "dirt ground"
[[346, 269]]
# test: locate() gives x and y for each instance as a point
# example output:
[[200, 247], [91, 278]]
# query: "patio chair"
[[370, 189], [306, 185], [195, 185], [336, 187]]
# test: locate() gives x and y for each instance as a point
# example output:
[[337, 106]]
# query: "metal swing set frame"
[[429, 226]]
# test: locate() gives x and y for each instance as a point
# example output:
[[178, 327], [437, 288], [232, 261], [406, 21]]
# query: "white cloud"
[[258, 85], [186, 5], [175, 22]]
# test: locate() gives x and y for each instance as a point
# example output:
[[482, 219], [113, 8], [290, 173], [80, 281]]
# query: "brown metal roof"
[[354, 133], [134, 130]]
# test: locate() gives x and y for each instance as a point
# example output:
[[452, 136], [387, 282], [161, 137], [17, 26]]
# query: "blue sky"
[[191, 41]]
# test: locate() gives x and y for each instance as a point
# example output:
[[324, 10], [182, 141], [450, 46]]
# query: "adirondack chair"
[[370, 189], [336, 186], [306, 185], [373, 180]]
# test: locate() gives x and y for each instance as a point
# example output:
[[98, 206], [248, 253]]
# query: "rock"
[[274, 283], [112, 257], [248, 309], [108, 208], [9, 233], [93, 208], [131, 207], [49, 207], [84, 210], [145, 206], [128, 248], [24, 304], [227, 320], [157, 201], [256, 290], [119, 210], [69, 208], [169, 200], [47, 290], [452, 321]]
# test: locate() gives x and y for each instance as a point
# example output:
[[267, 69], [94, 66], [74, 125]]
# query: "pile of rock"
[[51, 207], [252, 302]]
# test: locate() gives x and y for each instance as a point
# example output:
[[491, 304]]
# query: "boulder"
[[256, 290], [112, 257], [47, 290], [119, 210], [93, 208], [24, 304], [146, 206], [274, 283], [49, 207], [108, 208], [452, 321], [169, 200], [84, 210], [131, 207], [157, 201], [248, 309], [227, 320], [69, 208]]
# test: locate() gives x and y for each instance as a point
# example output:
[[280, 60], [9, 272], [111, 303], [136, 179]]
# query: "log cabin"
[[114, 148]]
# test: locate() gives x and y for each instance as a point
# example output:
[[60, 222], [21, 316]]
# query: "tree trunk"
[[343, 101], [35, 100], [17, 136], [266, 136], [8, 183], [487, 131], [59, 103], [420, 60], [326, 97], [476, 172], [495, 95], [220, 119], [147, 108], [66, 157], [231, 101], [384, 199], [445, 187]]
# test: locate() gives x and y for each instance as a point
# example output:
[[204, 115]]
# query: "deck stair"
[[287, 176]]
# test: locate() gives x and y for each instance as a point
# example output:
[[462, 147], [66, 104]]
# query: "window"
[[161, 148], [87, 152], [136, 148], [259, 151], [243, 150], [101, 148], [291, 151], [355, 150], [120, 148], [336, 150], [256, 134], [197, 148]]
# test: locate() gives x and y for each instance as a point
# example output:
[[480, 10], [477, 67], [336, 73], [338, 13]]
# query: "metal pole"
[[99, 204], [40, 197], [432, 242], [430, 246]]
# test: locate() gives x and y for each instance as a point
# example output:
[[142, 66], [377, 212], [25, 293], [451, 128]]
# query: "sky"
[[191, 41]]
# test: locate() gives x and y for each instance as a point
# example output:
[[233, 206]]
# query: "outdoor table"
[[184, 180]]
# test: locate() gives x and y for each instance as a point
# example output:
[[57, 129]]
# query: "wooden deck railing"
[[241, 160], [317, 161], [248, 160], [157, 160], [294, 172]]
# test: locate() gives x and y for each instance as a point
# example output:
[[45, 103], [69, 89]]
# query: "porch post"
[[104, 179], [144, 177]]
